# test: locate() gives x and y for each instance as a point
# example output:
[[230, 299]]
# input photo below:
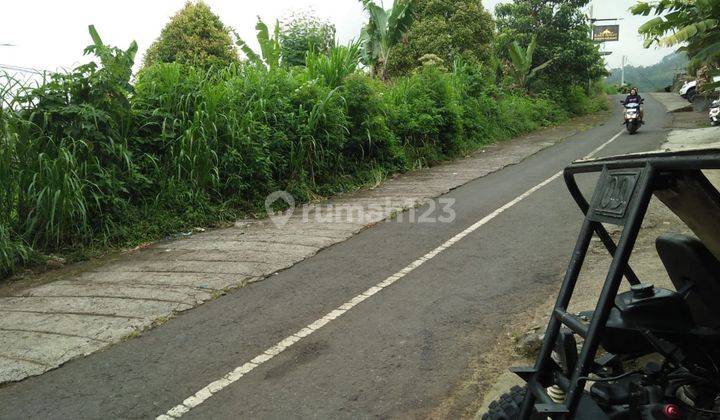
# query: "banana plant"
[[521, 62], [115, 61], [110, 55], [694, 24], [384, 30], [269, 55]]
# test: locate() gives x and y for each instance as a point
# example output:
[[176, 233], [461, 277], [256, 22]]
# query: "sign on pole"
[[605, 33]]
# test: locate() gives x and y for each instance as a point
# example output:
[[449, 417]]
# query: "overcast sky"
[[51, 34]]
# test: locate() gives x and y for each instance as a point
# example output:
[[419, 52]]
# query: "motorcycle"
[[632, 116], [714, 112]]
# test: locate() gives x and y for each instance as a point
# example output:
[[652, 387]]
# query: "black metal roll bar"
[[621, 197]]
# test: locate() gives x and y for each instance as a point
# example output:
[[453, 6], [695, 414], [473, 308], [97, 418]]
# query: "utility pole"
[[591, 20], [622, 71]]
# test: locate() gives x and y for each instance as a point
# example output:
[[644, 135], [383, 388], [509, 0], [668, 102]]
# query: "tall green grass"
[[13, 250], [333, 68], [89, 160]]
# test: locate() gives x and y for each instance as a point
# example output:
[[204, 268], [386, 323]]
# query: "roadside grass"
[[91, 160]]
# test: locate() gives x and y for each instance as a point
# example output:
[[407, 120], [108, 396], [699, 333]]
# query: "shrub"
[[370, 140], [480, 111], [304, 34], [580, 103], [577, 102], [426, 115], [195, 35], [13, 252], [73, 162], [8, 162], [177, 141], [243, 130]]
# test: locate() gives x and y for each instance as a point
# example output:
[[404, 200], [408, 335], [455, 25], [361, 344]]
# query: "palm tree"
[[384, 30], [521, 60]]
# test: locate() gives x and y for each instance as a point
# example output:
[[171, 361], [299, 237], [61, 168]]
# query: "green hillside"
[[651, 78]]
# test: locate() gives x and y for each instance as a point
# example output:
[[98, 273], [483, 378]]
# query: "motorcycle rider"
[[634, 98]]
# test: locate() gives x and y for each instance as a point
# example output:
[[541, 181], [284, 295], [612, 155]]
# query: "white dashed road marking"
[[214, 387]]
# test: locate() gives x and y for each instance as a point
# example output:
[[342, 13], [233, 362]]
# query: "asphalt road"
[[399, 353]]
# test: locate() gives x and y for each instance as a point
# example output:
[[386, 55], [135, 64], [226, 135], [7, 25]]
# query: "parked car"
[[689, 89]]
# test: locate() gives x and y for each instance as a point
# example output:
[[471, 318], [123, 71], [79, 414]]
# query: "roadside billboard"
[[605, 33]]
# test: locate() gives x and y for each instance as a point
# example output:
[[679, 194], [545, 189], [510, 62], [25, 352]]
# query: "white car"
[[689, 89], [688, 86]]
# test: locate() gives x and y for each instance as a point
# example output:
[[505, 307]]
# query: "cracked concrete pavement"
[[58, 316]]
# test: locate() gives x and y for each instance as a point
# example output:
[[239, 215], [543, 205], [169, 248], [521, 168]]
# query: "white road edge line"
[[214, 387]]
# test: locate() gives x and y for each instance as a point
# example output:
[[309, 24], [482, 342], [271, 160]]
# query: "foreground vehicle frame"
[[621, 197]]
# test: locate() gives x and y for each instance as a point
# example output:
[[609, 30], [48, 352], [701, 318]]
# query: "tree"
[[304, 33], [522, 59], [696, 24], [195, 35], [449, 29], [383, 31], [562, 35], [270, 50]]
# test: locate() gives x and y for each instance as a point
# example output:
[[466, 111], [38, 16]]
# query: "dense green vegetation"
[[561, 30], [97, 158], [652, 78]]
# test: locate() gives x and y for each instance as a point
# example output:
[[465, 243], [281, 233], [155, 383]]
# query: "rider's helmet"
[[633, 91]]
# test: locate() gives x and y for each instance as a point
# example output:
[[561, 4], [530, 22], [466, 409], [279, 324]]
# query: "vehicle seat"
[[695, 272]]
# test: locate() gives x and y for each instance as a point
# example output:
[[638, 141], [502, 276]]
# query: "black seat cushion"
[[695, 272]]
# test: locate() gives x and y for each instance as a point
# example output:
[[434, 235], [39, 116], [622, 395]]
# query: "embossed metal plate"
[[613, 195]]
